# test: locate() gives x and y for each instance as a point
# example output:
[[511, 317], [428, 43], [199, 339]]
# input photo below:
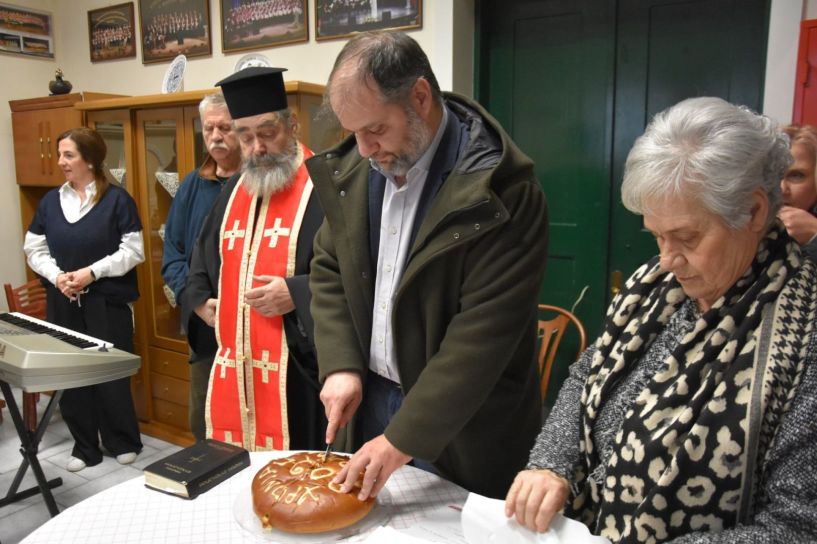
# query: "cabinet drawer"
[[171, 413], [170, 389], [170, 363]]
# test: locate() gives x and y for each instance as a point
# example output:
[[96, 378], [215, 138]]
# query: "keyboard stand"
[[30, 441]]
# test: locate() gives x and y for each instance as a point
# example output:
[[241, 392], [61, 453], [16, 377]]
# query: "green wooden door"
[[668, 50], [575, 83], [547, 76]]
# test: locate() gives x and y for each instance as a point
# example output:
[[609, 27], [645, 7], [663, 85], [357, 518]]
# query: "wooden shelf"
[[184, 97]]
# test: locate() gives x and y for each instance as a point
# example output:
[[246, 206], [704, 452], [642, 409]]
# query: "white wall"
[[22, 77], [781, 61], [305, 62], [446, 36]]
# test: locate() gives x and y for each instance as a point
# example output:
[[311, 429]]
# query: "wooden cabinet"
[[36, 123], [153, 142]]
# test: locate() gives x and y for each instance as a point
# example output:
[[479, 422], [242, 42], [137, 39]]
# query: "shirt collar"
[[90, 189], [209, 168]]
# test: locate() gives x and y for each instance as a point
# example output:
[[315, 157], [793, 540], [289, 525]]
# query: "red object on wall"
[[805, 86]]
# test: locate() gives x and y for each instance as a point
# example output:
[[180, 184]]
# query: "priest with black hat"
[[249, 278]]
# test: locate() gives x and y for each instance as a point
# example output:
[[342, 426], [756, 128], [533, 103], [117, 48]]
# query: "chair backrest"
[[551, 332], [28, 299]]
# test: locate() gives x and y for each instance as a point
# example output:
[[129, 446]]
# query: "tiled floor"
[[19, 519]]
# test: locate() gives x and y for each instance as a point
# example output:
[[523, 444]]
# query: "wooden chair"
[[551, 332], [28, 299]]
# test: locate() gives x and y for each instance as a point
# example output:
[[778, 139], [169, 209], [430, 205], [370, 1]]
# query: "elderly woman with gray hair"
[[692, 417]]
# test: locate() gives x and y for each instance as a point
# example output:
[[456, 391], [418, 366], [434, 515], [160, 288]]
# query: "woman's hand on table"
[[535, 497]]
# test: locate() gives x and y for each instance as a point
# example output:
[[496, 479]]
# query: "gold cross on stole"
[[275, 232], [265, 365], [233, 234]]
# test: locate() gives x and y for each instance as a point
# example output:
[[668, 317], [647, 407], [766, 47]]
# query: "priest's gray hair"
[[711, 151], [210, 100]]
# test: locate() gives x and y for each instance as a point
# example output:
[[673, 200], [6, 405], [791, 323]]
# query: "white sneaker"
[[126, 458], [74, 464]]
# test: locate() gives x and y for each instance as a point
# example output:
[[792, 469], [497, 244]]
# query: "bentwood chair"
[[28, 299], [551, 333]]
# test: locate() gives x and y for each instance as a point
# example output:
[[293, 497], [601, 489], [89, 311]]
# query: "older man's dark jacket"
[[464, 316]]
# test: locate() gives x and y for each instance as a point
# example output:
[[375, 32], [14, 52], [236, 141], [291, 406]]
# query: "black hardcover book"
[[193, 470]]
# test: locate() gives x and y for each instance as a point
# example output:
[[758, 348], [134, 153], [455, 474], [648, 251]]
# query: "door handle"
[[615, 282]]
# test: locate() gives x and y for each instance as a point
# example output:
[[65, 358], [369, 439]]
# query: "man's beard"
[[418, 138], [271, 173]]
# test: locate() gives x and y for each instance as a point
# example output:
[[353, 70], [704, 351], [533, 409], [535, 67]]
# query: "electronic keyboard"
[[38, 356]]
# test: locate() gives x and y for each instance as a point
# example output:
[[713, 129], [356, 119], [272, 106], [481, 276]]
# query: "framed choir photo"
[[26, 31], [111, 32], [172, 28], [342, 19], [250, 24]]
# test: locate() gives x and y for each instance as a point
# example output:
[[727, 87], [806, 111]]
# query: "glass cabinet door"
[[160, 136], [193, 122], [114, 127]]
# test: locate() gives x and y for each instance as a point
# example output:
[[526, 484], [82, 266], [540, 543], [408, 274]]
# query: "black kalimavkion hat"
[[254, 90]]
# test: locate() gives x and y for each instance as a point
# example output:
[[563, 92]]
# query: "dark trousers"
[[199, 382], [381, 400], [104, 410]]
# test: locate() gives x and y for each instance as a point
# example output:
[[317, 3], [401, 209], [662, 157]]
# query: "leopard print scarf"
[[690, 451]]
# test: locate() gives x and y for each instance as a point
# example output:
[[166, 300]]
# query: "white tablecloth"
[[131, 513]]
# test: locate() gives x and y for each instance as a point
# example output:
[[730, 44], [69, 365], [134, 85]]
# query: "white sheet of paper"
[[484, 522], [440, 526]]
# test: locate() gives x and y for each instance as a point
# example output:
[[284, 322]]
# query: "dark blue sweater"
[[95, 236], [190, 207]]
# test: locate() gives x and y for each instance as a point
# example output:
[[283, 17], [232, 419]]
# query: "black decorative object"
[[59, 85]]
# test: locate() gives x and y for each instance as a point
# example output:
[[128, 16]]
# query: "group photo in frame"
[[179, 27], [256, 24], [343, 18], [111, 32], [26, 31]]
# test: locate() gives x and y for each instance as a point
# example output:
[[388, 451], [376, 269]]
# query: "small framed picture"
[[169, 29], [341, 19], [250, 24], [26, 31], [111, 32]]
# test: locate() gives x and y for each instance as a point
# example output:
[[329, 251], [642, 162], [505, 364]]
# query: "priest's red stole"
[[246, 399]]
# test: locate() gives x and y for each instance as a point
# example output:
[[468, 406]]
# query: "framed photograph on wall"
[[180, 27], [341, 19], [26, 31], [111, 32], [257, 24]]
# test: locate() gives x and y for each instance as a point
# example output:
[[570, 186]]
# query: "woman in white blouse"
[[84, 242]]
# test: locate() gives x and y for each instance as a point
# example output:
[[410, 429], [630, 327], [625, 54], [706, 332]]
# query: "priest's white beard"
[[271, 173]]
